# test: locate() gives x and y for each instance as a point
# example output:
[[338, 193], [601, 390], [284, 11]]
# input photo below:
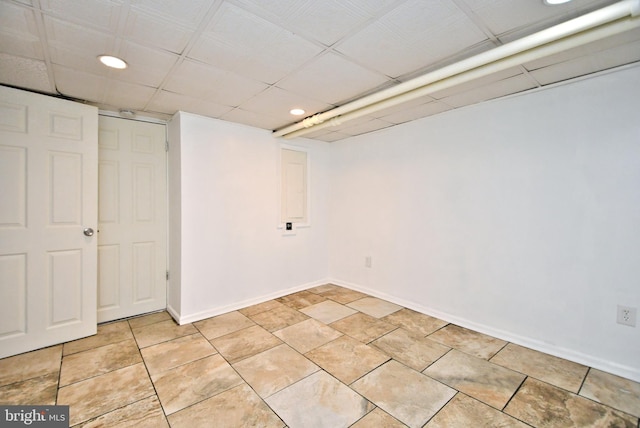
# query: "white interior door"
[[48, 185], [132, 216]]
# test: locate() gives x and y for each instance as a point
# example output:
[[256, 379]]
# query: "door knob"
[[88, 231]]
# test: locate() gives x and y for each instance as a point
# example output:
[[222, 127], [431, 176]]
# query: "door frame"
[[165, 123]]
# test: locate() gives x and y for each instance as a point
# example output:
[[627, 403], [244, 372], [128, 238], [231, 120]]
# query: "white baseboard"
[[198, 316], [557, 351]]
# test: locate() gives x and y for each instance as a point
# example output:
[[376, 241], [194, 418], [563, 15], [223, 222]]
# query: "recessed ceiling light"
[[112, 61], [296, 112], [554, 2]]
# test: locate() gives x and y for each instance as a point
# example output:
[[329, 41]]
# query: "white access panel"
[[48, 180], [294, 187], [132, 250]]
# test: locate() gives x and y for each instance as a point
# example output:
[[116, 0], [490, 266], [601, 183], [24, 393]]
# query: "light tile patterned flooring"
[[324, 357]]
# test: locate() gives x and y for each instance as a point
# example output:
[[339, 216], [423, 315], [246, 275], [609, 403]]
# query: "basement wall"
[[519, 218]]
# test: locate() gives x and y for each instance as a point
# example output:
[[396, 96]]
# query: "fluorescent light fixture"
[[112, 61], [296, 111], [554, 2]]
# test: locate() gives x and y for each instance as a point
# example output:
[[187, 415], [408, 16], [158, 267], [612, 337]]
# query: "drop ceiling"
[[251, 61]]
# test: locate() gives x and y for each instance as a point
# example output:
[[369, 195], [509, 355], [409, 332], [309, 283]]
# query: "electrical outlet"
[[627, 315], [367, 261]]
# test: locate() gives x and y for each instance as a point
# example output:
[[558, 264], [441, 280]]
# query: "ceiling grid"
[[250, 61]]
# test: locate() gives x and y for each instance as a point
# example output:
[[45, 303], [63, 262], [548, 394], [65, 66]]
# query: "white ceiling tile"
[[18, 32], [147, 66], [24, 73], [490, 91], [277, 103], [332, 79], [127, 95], [412, 36], [250, 118], [79, 61], [331, 137], [73, 37], [502, 16], [371, 125], [17, 20], [77, 84], [327, 22], [101, 14], [212, 84], [156, 32], [239, 41], [21, 46], [170, 103], [188, 13], [416, 112], [584, 65]]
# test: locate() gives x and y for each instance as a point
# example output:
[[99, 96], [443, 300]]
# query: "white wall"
[[519, 217], [231, 253]]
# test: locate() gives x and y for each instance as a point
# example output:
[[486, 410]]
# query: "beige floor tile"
[[319, 401], [546, 406], [464, 412], [556, 371], [93, 397], [193, 382], [30, 365], [343, 295], [107, 334], [245, 343], [375, 307], [98, 361], [270, 371], [415, 321], [176, 352], [468, 341], [363, 327], [328, 311], [40, 390], [145, 413], [614, 391], [162, 331], [149, 319], [410, 348], [260, 307], [301, 299], [347, 359], [236, 407], [492, 384], [223, 324], [307, 335], [279, 318], [324, 288], [404, 393], [378, 418]]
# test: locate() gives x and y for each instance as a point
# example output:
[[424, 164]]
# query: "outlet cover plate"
[[627, 315]]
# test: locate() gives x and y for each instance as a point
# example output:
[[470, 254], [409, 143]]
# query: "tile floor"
[[324, 357]]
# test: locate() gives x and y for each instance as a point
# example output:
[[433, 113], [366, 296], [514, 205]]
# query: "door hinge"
[[167, 275], [166, 146]]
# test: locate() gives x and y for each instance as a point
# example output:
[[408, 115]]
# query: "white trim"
[[198, 316], [557, 351], [279, 169]]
